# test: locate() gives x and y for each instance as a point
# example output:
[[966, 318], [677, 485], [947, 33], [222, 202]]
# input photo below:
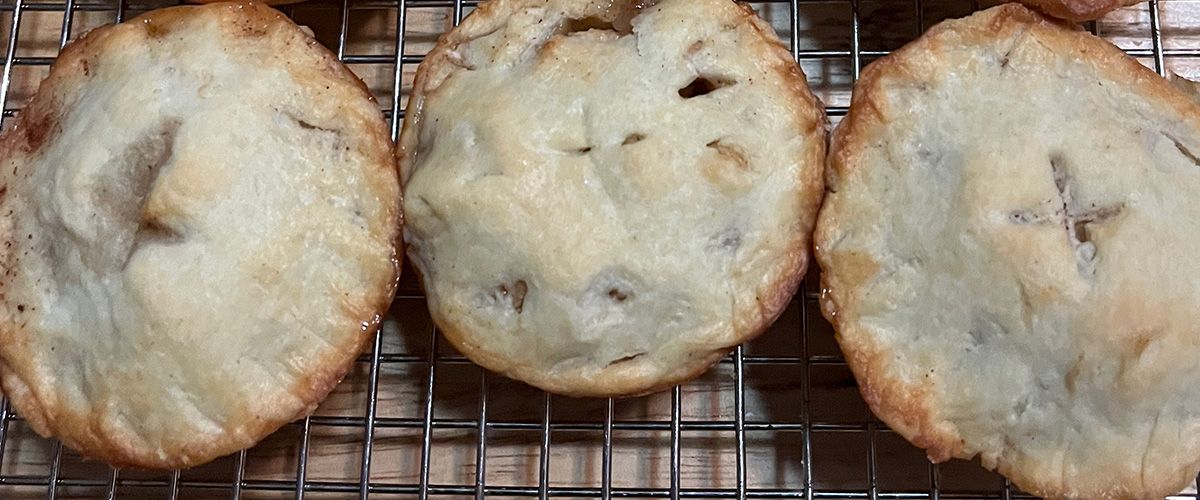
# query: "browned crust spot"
[[1079, 10], [37, 126]]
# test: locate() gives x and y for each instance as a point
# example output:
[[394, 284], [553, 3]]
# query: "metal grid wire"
[[428, 366]]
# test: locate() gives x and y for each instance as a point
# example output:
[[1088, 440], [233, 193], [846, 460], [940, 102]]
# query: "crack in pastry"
[[704, 85], [1184, 150]]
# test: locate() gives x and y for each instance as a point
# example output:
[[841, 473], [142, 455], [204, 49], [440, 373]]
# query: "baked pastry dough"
[[1007, 251], [604, 197], [1079, 10], [268, 2], [199, 215]]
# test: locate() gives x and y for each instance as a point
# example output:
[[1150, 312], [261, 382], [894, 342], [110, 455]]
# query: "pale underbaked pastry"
[[200, 212], [604, 197], [1007, 252], [1079, 10]]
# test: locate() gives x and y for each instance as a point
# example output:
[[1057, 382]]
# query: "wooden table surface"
[[850, 453]]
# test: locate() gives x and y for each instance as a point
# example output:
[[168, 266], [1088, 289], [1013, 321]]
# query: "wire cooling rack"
[[779, 418]]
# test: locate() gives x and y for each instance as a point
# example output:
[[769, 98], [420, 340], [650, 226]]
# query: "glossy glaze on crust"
[[605, 197], [1005, 250], [200, 215]]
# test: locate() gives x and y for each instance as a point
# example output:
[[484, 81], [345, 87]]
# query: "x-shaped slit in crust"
[[1076, 219]]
